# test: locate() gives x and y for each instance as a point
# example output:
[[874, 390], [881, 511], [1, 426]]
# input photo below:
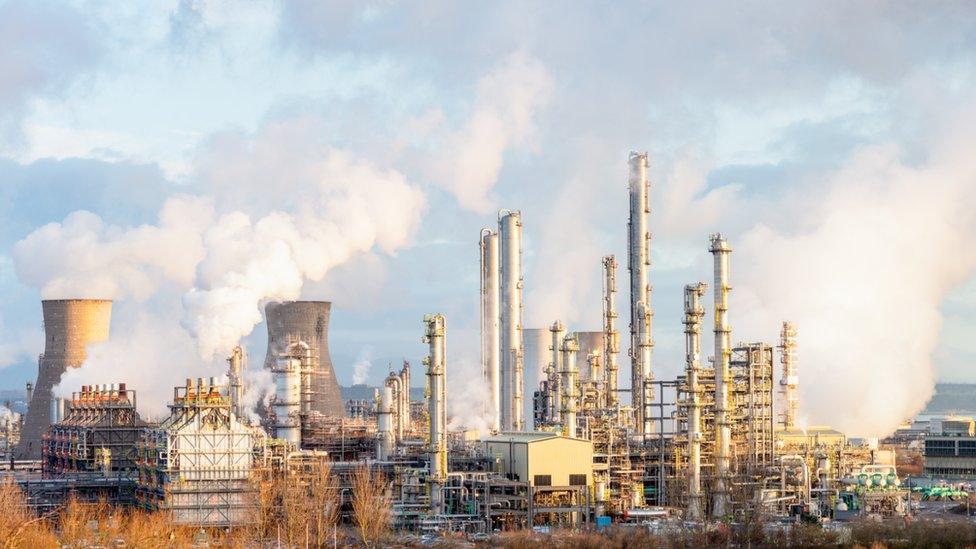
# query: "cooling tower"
[[306, 321], [70, 325], [537, 358]]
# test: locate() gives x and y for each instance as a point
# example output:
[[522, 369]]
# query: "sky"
[[193, 160]]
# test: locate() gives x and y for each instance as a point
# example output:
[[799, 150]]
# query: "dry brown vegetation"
[[371, 505], [298, 510]]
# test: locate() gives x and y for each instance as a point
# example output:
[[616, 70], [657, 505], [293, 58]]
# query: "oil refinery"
[[720, 444]]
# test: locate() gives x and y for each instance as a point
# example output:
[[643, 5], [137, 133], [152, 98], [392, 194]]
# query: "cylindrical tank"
[[70, 326], [510, 317], [287, 402], [308, 321], [490, 335], [384, 415]]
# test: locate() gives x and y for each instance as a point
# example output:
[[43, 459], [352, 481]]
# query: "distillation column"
[[558, 333], [403, 417], [694, 312], [510, 292], [235, 376], [395, 384], [490, 337], [720, 493], [639, 261], [567, 413], [790, 381], [436, 366], [385, 434], [611, 337]]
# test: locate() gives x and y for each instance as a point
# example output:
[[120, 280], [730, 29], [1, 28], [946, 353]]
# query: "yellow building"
[[542, 459], [812, 437]]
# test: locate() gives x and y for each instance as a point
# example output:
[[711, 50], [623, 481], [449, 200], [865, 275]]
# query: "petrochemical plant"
[[720, 442]]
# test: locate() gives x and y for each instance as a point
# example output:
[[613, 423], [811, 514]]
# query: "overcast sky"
[[192, 160]]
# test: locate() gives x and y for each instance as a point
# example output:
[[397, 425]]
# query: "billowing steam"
[[360, 369], [863, 276], [191, 285]]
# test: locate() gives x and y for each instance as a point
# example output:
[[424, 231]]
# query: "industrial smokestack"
[[720, 494], [568, 386], [510, 291], [789, 382], [306, 321], [70, 325], [694, 312], [611, 337], [639, 261], [490, 336], [436, 370]]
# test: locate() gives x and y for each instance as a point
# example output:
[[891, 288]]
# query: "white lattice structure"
[[198, 463]]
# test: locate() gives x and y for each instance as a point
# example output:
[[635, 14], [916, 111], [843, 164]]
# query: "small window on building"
[[543, 480], [577, 480]]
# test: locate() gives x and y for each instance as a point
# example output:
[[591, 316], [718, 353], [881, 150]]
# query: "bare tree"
[[370, 504]]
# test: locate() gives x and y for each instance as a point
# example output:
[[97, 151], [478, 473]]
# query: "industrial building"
[[199, 463]]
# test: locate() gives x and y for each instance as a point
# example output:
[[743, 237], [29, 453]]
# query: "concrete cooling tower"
[[70, 325], [308, 321]]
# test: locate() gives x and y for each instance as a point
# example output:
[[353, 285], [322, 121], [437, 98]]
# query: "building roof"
[[526, 437]]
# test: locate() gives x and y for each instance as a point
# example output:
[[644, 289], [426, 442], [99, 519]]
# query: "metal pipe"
[[436, 367], [490, 336], [639, 261], [694, 312], [611, 337], [789, 382], [720, 495], [568, 386], [510, 292]]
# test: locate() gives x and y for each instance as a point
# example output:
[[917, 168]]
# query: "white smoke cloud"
[[82, 257], [218, 266], [863, 274], [360, 369], [503, 116]]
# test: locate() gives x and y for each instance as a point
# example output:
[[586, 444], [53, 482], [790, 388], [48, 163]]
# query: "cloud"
[[47, 48]]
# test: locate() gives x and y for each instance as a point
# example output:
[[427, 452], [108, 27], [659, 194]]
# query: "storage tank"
[[70, 325], [308, 321]]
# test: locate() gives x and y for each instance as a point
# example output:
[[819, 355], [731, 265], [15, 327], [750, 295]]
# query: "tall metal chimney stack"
[[639, 262], [720, 493], [436, 369], [694, 312], [70, 325], [510, 290], [611, 337], [308, 321], [789, 382], [490, 336]]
